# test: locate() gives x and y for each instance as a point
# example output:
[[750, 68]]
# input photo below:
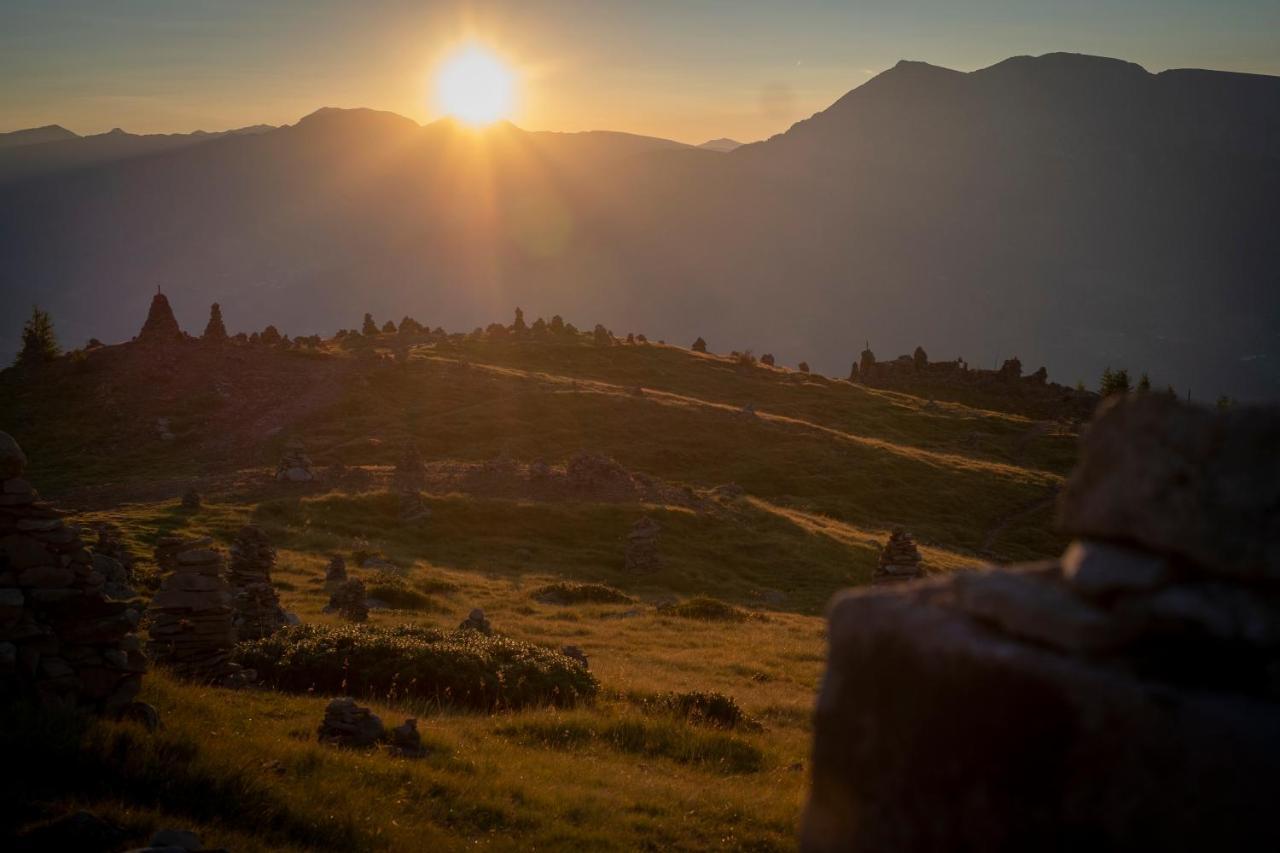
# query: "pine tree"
[[518, 325], [370, 328], [1144, 383], [270, 336], [215, 330], [39, 344], [388, 328], [1114, 382]]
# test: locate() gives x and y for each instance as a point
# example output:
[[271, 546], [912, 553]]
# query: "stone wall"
[[1125, 696]]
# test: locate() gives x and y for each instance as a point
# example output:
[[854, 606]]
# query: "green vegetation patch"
[[709, 708], [671, 739], [464, 669], [580, 593], [399, 593]]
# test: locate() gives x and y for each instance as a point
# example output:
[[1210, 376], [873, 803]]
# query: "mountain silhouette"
[[724, 144], [1073, 211]]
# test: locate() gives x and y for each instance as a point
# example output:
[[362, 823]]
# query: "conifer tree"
[[39, 344]]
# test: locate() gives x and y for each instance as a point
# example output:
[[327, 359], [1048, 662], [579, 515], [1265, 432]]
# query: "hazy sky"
[[686, 70]]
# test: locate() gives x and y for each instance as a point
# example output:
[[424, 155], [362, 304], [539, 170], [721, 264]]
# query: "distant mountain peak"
[[722, 144], [36, 136]]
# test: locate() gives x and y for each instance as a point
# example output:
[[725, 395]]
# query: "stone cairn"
[[161, 326], [348, 601], [191, 615], [476, 621], [62, 641], [409, 479], [406, 741], [595, 470], [257, 611], [899, 559], [191, 500], [642, 546], [335, 573], [1127, 693], [295, 466], [348, 724], [112, 560]]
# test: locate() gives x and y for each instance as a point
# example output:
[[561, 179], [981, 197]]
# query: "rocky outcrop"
[[257, 610], [476, 621], [1121, 697], [642, 547], [63, 641]]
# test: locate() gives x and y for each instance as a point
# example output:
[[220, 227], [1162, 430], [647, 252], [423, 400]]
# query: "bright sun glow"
[[475, 86]]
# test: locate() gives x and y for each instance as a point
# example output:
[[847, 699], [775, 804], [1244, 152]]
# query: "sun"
[[475, 86]]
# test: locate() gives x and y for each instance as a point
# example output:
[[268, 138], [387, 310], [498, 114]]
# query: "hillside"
[[772, 490], [1070, 211]]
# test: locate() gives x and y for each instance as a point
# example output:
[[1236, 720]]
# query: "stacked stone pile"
[[1126, 694], [191, 500], [594, 470], [335, 573], [62, 640], [169, 547], [411, 471], [476, 621], [112, 560], [642, 546], [257, 611], [191, 619], [161, 326], [295, 465], [348, 724], [899, 558], [406, 741], [348, 600]]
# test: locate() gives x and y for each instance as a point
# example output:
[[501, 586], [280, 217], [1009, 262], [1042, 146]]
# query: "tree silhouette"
[[699, 345], [1144, 382], [1114, 382], [215, 329], [370, 328], [39, 344]]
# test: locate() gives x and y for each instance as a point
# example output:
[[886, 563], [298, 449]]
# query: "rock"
[[177, 838], [476, 621], [335, 573], [1216, 611], [1026, 605], [1097, 569], [641, 553], [12, 460], [899, 559], [191, 500], [590, 471], [405, 740], [1181, 481], [350, 725], [141, 712], [575, 653], [192, 632], [295, 465], [1035, 750], [79, 831], [348, 599]]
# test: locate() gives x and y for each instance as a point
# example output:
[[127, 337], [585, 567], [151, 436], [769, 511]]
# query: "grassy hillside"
[[825, 469]]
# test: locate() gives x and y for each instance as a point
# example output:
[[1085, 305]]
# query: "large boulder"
[[1195, 484]]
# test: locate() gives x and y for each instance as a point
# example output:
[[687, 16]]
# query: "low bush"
[[708, 708], [464, 669], [398, 593], [580, 593], [707, 609]]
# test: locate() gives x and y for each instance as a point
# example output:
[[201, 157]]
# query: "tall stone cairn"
[[114, 562], [257, 611], [295, 465], [335, 573], [1124, 696], [899, 559], [191, 619], [161, 326], [410, 474], [642, 546], [62, 641]]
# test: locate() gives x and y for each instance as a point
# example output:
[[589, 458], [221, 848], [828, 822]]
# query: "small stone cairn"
[[112, 560], [350, 725], [899, 559], [257, 607], [476, 621], [335, 573], [191, 500], [191, 619], [62, 640], [406, 742], [642, 546], [411, 471], [295, 466], [348, 600], [594, 470], [161, 326]]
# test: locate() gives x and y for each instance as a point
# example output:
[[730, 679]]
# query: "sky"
[[692, 70]]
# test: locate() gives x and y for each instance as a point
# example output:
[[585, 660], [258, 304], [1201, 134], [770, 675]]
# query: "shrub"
[[1114, 382], [713, 709], [397, 592], [464, 669], [746, 359], [767, 358], [270, 336], [708, 609], [580, 593]]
